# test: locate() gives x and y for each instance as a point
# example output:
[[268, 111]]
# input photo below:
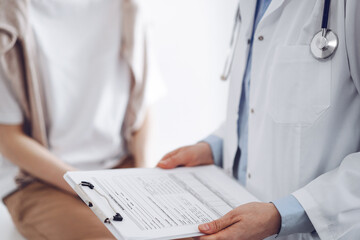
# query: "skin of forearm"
[[32, 157], [140, 140]]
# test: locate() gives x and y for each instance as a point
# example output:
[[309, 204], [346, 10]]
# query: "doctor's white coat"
[[304, 120]]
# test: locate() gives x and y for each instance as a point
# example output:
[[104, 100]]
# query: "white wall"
[[191, 39]]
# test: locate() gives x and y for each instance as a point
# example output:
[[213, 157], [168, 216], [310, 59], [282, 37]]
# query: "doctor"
[[292, 132]]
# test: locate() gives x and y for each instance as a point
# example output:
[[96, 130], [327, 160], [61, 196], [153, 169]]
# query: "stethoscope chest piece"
[[324, 44]]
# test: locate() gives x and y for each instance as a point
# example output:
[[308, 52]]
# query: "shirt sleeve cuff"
[[216, 145], [293, 216]]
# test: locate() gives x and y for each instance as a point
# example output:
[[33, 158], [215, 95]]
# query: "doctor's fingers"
[[173, 159], [225, 234], [170, 154], [219, 224], [189, 156]]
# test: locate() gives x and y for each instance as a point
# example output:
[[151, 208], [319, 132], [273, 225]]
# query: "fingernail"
[[204, 227]]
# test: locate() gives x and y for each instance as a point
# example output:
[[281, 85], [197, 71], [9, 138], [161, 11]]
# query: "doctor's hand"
[[249, 221], [189, 156]]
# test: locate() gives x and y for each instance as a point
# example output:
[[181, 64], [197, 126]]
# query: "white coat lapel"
[[274, 5], [247, 10]]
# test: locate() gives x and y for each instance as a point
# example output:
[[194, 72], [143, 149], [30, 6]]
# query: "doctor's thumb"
[[215, 226]]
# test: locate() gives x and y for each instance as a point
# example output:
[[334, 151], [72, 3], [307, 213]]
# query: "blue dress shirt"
[[293, 216]]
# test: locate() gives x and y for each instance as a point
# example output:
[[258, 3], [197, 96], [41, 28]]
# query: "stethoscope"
[[325, 42], [323, 45]]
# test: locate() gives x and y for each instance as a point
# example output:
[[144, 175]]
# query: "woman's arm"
[[139, 145], [32, 157]]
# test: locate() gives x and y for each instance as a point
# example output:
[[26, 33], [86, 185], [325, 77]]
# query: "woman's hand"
[[189, 156], [249, 221]]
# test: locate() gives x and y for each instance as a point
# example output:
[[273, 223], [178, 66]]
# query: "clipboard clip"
[[87, 184], [117, 217]]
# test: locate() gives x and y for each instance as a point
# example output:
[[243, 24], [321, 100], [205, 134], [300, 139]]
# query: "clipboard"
[[145, 204]]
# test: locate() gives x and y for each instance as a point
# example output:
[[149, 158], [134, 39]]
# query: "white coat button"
[[261, 38], [252, 111], [249, 175]]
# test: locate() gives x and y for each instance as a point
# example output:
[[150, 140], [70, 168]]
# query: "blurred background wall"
[[190, 40]]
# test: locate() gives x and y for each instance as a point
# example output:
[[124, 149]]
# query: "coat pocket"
[[299, 86]]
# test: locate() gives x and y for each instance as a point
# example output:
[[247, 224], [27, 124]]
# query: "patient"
[[72, 97]]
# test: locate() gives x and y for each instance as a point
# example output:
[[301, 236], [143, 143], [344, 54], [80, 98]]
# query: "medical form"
[[158, 203]]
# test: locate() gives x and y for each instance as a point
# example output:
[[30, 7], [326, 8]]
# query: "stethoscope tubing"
[[325, 18], [325, 32], [233, 41]]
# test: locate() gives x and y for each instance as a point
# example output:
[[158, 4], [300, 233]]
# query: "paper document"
[[157, 203]]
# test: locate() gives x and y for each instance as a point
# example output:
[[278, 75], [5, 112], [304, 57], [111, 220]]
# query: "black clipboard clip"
[[117, 217]]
